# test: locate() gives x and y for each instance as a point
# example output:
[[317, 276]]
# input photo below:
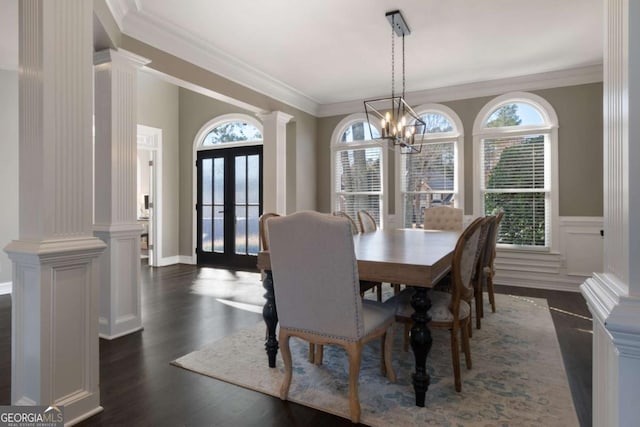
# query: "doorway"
[[149, 192], [229, 205]]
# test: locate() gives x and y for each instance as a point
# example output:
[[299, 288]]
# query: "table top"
[[405, 256]]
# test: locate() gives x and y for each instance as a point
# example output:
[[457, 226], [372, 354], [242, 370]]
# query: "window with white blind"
[[515, 152], [357, 170], [431, 177]]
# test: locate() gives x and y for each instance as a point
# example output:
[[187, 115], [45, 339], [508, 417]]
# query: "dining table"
[[412, 257]]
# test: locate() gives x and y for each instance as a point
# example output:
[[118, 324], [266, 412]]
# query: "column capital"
[[278, 116], [119, 56]]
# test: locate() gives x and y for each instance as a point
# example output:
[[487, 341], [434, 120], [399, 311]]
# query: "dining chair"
[[264, 230], [367, 222], [352, 223], [488, 267], [450, 310], [486, 226], [318, 295], [443, 218]]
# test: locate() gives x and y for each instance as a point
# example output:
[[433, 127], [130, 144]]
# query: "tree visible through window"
[[235, 131], [515, 173], [429, 178], [358, 172]]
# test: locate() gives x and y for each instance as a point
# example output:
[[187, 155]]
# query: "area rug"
[[517, 379]]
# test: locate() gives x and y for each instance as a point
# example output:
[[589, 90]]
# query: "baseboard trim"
[[186, 259], [5, 288], [170, 260]]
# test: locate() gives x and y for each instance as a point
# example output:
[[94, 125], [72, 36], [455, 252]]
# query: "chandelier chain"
[[393, 60], [403, 76]]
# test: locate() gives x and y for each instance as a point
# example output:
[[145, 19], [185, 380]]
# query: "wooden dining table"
[[412, 257]]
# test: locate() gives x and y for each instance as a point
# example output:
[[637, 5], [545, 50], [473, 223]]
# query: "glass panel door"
[[229, 206]]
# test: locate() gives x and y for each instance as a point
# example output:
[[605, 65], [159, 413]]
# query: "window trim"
[[337, 145], [456, 136], [549, 129]]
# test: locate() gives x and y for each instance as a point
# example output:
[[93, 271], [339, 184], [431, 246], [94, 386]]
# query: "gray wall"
[[195, 110], [579, 110], [158, 107], [8, 166]]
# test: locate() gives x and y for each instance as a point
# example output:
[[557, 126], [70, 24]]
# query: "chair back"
[[352, 223], [488, 242], [367, 222], [443, 218], [264, 229], [316, 274], [464, 263]]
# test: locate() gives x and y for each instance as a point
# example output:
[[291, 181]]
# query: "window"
[[433, 176], [232, 131], [515, 156], [357, 171]]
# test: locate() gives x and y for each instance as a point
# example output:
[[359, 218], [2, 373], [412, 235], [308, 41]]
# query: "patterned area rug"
[[518, 377]]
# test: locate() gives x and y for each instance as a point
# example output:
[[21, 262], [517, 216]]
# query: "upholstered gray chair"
[[317, 291], [443, 218], [451, 311]]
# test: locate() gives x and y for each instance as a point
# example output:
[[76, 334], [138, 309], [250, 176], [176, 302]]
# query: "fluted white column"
[[55, 259], [115, 186], [613, 296], [274, 154]]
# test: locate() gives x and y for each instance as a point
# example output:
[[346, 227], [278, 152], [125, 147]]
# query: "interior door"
[[229, 206]]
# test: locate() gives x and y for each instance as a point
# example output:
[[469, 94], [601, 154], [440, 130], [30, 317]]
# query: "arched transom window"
[[232, 131], [433, 176], [357, 169], [515, 156]]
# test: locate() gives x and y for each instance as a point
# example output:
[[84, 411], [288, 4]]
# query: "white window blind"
[[515, 180], [428, 179], [358, 181]]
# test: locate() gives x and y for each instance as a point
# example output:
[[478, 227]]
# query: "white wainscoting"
[[580, 253]]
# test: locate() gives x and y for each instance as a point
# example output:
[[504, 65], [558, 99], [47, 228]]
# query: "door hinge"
[[150, 247], [196, 206], [150, 162]]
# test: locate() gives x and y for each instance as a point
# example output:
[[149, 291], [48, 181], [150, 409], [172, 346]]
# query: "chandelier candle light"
[[399, 124]]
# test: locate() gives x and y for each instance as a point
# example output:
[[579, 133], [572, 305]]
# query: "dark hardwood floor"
[[185, 307]]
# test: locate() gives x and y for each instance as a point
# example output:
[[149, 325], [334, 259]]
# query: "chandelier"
[[399, 124]]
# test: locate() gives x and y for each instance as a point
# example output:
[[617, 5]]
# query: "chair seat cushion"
[[376, 314], [439, 311]]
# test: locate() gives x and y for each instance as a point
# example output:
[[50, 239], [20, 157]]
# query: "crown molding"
[[143, 25], [570, 77], [155, 31]]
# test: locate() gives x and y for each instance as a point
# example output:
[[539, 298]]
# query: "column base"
[[120, 296], [54, 359]]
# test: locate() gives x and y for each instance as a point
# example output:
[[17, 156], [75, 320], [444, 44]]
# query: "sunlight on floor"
[[242, 306]]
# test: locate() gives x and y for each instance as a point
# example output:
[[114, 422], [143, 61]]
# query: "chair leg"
[[465, 342], [379, 292], [288, 365], [479, 308], [396, 288], [354, 349], [492, 298], [319, 354], [387, 345], [405, 339], [455, 358], [312, 352]]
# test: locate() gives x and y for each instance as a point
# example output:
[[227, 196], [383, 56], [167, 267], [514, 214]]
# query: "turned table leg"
[[420, 342], [270, 316]]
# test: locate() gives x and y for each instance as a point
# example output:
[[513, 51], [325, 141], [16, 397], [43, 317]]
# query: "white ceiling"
[[330, 51]]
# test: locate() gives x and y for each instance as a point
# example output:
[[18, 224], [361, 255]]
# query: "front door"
[[229, 206]]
